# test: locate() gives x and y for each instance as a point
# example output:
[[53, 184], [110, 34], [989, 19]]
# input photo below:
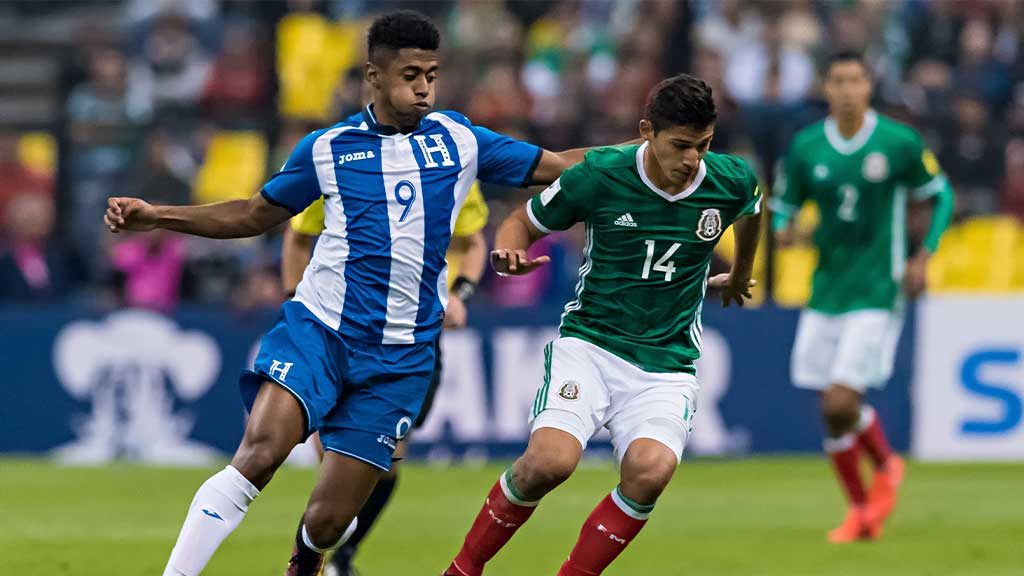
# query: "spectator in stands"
[[16, 179], [973, 155], [171, 71], [150, 266], [238, 88], [730, 25], [34, 267], [1012, 197], [978, 69]]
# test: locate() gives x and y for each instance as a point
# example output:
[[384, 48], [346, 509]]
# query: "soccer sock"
[[502, 514], [845, 455], [871, 436], [218, 508], [306, 557], [367, 517], [608, 530]]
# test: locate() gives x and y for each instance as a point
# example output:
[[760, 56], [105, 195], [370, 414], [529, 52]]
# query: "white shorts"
[[856, 349], [586, 388]]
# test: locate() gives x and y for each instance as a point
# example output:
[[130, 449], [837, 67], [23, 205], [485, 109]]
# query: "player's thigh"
[[343, 485], [384, 390], [276, 424], [573, 396], [867, 349], [661, 408], [814, 349]]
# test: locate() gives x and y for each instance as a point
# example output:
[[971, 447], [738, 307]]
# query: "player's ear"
[[372, 75], [646, 129]]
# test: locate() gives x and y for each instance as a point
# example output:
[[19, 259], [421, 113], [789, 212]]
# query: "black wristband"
[[464, 288]]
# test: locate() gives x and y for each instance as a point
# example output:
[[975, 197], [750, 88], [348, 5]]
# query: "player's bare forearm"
[[295, 254], [473, 250], [748, 232], [231, 219], [515, 236], [552, 164]]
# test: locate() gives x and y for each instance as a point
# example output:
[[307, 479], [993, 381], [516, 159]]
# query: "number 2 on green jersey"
[[663, 264], [848, 205]]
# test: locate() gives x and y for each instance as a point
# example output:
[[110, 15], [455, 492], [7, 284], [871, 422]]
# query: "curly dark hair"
[[402, 29], [844, 56], [681, 100]]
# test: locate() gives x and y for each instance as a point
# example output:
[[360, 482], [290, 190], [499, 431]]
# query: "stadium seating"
[[980, 255], [312, 53], [235, 167]]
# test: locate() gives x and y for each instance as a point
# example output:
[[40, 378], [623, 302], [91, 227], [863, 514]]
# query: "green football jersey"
[[861, 187], [647, 253]]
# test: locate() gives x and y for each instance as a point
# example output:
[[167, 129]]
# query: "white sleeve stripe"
[[757, 205], [533, 218], [933, 187]]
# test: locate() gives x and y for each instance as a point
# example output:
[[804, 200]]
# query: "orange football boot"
[[884, 486], [854, 527]]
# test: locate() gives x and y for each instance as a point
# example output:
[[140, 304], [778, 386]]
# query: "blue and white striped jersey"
[[390, 202]]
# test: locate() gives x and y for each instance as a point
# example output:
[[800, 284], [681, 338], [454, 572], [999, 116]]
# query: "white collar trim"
[[702, 171], [847, 147]]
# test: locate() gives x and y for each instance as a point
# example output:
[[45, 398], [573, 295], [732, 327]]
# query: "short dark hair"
[[681, 100], [844, 56], [402, 29]]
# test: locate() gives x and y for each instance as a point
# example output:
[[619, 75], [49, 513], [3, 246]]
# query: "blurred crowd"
[[160, 99]]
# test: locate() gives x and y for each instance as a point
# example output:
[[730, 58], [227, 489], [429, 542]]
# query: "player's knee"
[[646, 473], [840, 408], [257, 459], [537, 473], [325, 524]]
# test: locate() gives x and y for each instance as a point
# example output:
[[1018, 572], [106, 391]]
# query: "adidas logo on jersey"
[[355, 156], [626, 220]]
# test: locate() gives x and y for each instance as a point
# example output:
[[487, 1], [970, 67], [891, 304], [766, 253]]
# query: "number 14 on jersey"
[[663, 264]]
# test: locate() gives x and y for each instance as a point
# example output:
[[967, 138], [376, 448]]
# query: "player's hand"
[[515, 262], [737, 289], [129, 214], [455, 315], [916, 278]]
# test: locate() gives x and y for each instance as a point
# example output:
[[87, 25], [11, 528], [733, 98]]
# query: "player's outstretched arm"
[[515, 236], [552, 164], [735, 286], [231, 219]]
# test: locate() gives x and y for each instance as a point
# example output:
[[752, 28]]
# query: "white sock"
[[344, 537], [218, 508]]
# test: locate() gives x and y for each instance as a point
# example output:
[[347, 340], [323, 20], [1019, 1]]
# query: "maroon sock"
[[871, 437], [845, 455], [612, 525], [502, 514]]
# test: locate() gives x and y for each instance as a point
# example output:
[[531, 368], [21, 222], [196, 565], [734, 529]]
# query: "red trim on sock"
[[872, 439], [495, 524], [605, 534], [847, 466]]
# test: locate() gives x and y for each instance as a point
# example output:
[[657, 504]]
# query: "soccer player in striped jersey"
[[627, 343], [862, 169], [353, 354], [467, 258]]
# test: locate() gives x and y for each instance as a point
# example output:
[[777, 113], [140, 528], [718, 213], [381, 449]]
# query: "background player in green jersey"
[[624, 356], [862, 169]]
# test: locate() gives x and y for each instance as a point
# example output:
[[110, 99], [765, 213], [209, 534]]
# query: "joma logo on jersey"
[[710, 224], [352, 157], [429, 151]]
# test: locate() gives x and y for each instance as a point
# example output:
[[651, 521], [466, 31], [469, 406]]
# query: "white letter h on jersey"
[[428, 151], [281, 367]]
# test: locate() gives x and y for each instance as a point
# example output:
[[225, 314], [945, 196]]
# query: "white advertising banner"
[[968, 392]]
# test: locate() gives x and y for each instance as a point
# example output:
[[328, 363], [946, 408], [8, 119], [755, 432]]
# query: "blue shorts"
[[361, 397]]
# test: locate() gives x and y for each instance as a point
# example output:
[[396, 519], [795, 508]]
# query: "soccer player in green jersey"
[[624, 356], [862, 169]]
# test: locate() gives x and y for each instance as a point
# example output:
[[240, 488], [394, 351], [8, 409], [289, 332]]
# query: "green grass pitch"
[[758, 517]]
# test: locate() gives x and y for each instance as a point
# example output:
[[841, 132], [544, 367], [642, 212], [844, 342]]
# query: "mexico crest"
[[876, 167], [569, 390], [710, 224]]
